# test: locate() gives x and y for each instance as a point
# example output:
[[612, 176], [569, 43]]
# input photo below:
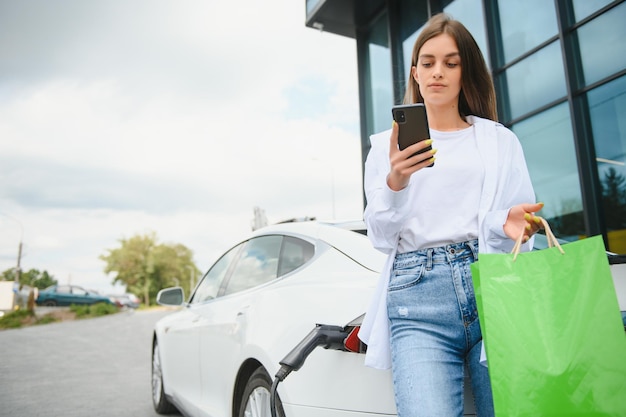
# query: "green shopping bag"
[[552, 331]]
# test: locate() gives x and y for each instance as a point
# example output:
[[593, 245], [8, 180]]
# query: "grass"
[[21, 318], [93, 310], [17, 318]]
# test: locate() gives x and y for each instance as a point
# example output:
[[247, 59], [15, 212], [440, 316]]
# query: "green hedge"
[[93, 310], [19, 318]]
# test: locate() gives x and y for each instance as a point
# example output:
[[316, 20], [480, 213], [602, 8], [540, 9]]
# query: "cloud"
[[119, 118]]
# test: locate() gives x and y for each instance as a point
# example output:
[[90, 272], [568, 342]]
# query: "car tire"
[[50, 303], [159, 400], [255, 401]]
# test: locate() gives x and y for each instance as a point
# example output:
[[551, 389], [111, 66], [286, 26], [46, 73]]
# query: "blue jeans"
[[435, 334]]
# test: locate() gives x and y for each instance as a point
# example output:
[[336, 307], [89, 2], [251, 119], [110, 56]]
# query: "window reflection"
[[603, 51], [78, 291], [525, 25], [311, 4], [548, 144], [64, 289], [380, 96], [294, 254], [469, 12], [413, 16], [257, 264], [407, 51], [209, 287], [583, 8], [607, 107], [536, 81]]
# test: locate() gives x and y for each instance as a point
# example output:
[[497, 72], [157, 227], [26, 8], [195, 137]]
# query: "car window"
[[63, 289], [294, 253], [78, 291], [257, 264], [213, 279]]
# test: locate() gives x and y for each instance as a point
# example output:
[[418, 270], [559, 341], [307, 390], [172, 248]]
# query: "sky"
[[120, 118]]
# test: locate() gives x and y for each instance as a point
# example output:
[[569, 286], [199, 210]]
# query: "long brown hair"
[[478, 96]]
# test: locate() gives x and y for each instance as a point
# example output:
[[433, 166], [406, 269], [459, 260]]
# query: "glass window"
[[407, 53], [379, 96], [548, 144], [470, 13], [602, 46], [583, 8], [607, 107], [64, 289], [536, 81], [210, 285], [294, 254], [310, 5], [257, 264], [78, 291], [413, 16], [525, 25]]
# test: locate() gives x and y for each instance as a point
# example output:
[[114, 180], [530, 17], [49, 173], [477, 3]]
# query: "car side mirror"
[[170, 296]]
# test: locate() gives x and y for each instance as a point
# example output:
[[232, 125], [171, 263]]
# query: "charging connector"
[[327, 336]]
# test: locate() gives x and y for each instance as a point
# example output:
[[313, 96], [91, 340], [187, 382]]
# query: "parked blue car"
[[66, 295]]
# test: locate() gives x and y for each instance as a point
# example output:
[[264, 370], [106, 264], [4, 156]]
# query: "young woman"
[[433, 221]]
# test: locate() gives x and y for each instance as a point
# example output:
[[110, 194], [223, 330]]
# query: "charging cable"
[[329, 337]]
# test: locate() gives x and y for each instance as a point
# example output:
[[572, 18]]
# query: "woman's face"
[[438, 71]]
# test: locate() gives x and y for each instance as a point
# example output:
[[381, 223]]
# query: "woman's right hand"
[[404, 163]]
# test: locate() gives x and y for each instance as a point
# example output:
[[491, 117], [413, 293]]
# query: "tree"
[[614, 199], [145, 266], [33, 278], [613, 203]]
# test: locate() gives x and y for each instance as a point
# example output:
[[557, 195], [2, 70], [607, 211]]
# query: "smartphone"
[[413, 125]]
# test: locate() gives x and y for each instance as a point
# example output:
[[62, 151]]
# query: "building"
[[559, 67]]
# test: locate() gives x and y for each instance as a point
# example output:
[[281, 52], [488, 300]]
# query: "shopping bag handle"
[[552, 240]]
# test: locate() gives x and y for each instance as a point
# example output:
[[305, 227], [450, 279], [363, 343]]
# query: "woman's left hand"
[[522, 218]]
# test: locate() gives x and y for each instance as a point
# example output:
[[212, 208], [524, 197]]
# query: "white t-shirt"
[[448, 194], [506, 184]]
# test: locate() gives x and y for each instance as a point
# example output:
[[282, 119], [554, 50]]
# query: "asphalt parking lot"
[[96, 367]]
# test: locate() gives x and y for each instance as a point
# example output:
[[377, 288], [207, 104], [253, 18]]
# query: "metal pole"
[[19, 248], [18, 271]]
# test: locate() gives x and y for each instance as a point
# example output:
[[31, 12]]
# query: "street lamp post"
[[18, 269]]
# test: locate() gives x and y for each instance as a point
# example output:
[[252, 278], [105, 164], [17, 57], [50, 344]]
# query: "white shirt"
[[506, 183], [448, 194]]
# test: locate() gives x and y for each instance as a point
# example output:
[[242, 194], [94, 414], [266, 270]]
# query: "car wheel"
[[50, 303], [255, 401], [159, 400]]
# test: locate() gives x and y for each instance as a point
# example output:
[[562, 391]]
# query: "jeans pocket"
[[405, 276]]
